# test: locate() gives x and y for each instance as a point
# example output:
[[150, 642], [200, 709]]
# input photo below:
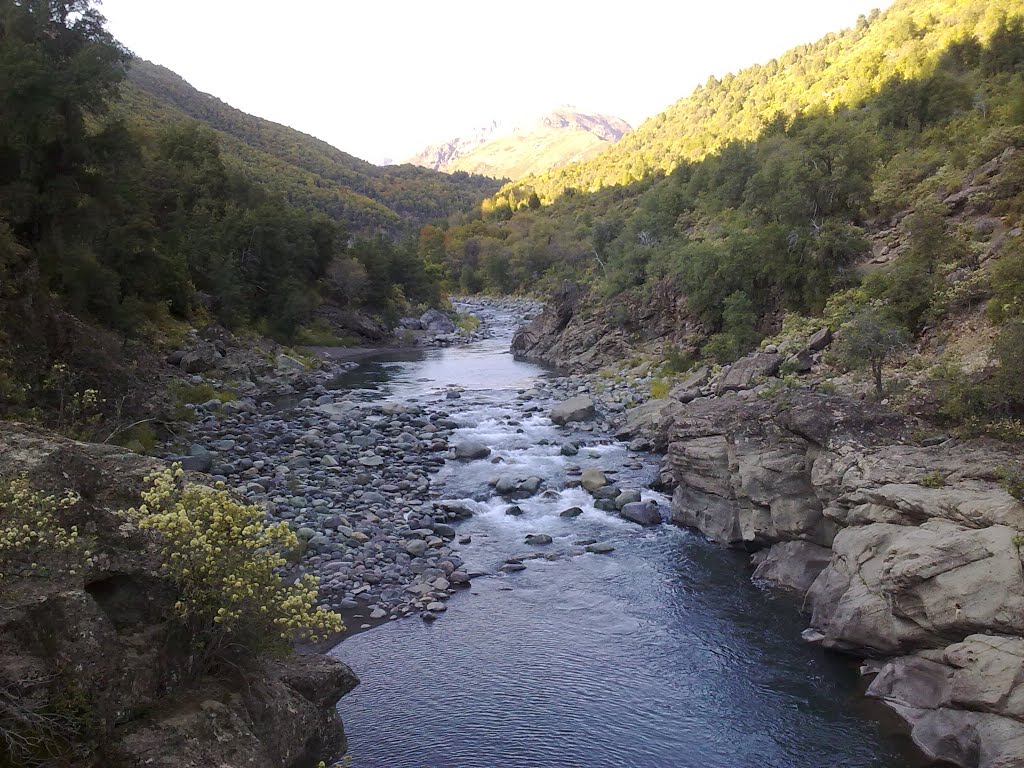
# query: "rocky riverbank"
[[352, 478], [94, 674], [904, 543]]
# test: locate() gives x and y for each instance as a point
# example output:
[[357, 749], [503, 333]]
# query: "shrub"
[[1012, 479], [934, 480], [660, 388], [468, 323], [677, 360], [185, 393], [320, 334], [1008, 284], [31, 538], [227, 560]]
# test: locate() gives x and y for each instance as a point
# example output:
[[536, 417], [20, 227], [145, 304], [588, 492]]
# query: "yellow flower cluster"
[[29, 531], [227, 560]]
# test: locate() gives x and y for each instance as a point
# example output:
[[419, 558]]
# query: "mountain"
[[562, 136], [309, 172], [442, 155]]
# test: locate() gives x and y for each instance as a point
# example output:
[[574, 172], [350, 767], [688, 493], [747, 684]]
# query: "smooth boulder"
[[592, 479], [642, 512], [580, 408], [472, 450]]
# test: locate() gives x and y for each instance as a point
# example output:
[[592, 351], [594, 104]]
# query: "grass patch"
[[319, 334], [660, 388], [468, 323], [140, 438], [934, 480], [187, 393]]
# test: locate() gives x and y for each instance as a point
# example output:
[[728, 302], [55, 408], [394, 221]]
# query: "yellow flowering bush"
[[226, 559], [30, 534]]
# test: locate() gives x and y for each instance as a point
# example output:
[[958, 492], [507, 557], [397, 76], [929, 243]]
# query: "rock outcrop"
[[580, 333], [95, 645], [905, 552]]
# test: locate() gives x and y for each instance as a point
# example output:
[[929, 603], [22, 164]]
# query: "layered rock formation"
[[905, 552], [89, 655]]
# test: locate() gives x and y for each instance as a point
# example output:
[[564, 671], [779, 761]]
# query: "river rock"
[[650, 421], [642, 512], [600, 548], [471, 450], [571, 512], [203, 357], [893, 588], [690, 388], [627, 496], [289, 363], [957, 699], [580, 408], [538, 539], [746, 370], [517, 486], [593, 478], [792, 564], [819, 340], [416, 547], [437, 321]]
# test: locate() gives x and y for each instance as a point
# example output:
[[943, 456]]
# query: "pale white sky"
[[383, 78]]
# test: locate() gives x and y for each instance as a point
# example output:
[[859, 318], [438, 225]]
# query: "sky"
[[381, 79]]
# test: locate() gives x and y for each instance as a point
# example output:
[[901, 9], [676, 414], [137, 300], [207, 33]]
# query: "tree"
[[872, 338]]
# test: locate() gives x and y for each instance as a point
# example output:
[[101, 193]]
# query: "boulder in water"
[[580, 408], [642, 512], [472, 450]]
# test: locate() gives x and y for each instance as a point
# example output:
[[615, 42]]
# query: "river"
[[660, 654]]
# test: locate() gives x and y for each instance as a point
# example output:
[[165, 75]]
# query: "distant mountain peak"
[[510, 150]]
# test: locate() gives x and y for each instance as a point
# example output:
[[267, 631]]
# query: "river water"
[[661, 654]]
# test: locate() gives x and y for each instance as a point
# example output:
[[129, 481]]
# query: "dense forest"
[[759, 194], [121, 216]]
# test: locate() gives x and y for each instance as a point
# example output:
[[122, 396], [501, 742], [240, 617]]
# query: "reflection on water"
[[660, 654]]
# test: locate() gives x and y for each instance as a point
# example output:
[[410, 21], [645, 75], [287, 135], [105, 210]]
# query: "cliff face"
[[90, 658], [579, 333], [906, 553]]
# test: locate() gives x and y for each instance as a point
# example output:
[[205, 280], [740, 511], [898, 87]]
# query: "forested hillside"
[[772, 191], [841, 71], [309, 172], [124, 221]]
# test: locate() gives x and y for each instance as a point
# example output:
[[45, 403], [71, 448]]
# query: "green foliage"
[[677, 360], [660, 388], [1012, 479], [468, 323], [872, 339], [933, 480], [187, 393], [1007, 283], [910, 286], [226, 560], [1006, 387], [319, 334], [310, 173], [739, 333]]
